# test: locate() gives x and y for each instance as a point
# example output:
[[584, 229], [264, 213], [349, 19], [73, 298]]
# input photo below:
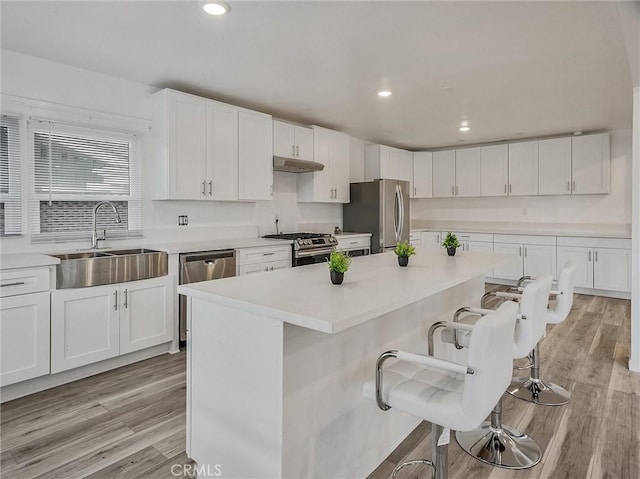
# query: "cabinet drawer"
[[247, 256], [355, 242], [264, 267], [479, 237], [23, 281]]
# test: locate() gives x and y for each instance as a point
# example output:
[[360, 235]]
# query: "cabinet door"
[[431, 240], [283, 140], [222, 152], [255, 156], [512, 268], [612, 269], [24, 337], [590, 164], [400, 165], [478, 247], [583, 258], [494, 176], [340, 167], [84, 326], [422, 183], [554, 166], [523, 168], [444, 174], [468, 172], [405, 167], [187, 143], [322, 180], [146, 309], [539, 260], [303, 138]]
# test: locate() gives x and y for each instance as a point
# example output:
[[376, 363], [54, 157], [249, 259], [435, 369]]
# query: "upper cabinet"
[[554, 166], [387, 162], [456, 173], [331, 185], [422, 174], [292, 141], [590, 164], [207, 150], [523, 168], [494, 170]]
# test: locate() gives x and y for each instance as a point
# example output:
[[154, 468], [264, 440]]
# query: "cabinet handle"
[[509, 188], [465, 236], [595, 255], [456, 190], [115, 300], [204, 188], [298, 155], [438, 239], [268, 254], [574, 186], [568, 186], [271, 268], [293, 150], [414, 191], [126, 299], [453, 191], [589, 257], [271, 190], [17, 283], [210, 188], [520, 251], [525, 251], [505, 188]]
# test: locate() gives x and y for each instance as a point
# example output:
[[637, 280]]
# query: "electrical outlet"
[[183, 220]]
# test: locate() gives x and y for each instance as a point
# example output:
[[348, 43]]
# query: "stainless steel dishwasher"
[[203, 266]]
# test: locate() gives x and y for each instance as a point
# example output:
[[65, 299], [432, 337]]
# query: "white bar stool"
[[493, 442], [532, 388], [447, 394]]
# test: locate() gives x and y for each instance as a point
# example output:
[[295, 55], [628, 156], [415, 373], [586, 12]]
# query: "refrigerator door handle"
[[396, 213], [401, 203]]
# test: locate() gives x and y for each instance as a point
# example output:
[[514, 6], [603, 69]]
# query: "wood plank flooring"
[[130, 422]]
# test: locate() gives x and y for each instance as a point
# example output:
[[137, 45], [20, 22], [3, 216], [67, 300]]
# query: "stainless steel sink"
[[95, 268]]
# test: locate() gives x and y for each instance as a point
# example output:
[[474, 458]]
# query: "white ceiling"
[[517, 69]]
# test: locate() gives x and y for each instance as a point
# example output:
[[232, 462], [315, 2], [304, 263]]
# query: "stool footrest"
[[414, 462]]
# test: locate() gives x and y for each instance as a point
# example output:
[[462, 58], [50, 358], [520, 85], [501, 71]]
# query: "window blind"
[[10, 185], [75, 168]]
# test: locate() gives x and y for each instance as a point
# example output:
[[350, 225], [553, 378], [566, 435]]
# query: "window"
[[73, 170], [10, 194]]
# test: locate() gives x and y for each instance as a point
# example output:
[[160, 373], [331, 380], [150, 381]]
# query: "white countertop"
[[373, 286], [543, 229], [210, 245], [26, 260], [348, 234]]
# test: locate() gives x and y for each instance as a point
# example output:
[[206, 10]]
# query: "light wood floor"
[[130, 422]]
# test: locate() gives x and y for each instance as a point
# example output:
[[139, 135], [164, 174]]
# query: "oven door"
[[303, 258]]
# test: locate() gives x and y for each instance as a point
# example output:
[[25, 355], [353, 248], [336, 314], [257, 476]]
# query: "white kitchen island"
[[276, 362]]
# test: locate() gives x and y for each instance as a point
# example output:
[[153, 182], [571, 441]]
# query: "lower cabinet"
[[263, 258], [606, 269], [24, 337], [431, 240], [263, 267], [529, 259], [98, 323]]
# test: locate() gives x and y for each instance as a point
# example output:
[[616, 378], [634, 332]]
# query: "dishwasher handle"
[[206, 255]]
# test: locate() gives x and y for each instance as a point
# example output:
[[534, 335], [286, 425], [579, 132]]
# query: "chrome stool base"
[[415, 462], [539, 392], [500, 446]]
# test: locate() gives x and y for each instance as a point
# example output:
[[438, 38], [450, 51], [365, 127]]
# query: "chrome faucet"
[[95, 236]]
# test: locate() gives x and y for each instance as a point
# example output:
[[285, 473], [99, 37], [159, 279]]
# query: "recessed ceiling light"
[[384, 93], [216, 8], [464, 128], [464, 123]]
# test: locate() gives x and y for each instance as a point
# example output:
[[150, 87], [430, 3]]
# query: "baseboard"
[[24, 388]]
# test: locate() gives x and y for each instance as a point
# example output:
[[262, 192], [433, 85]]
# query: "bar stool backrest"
[[564, 301], [490, 357], [533, 306]]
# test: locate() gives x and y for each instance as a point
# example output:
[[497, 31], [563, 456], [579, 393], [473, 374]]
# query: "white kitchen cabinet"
[[533, 256], [292, 141], [539, 260], [145, 313], [477, 247], [444, 174], [468, 172], [612, 269], [221, 172], [383, 161], [476, 242], [102, 322], [415, 239], [523, 168], [590, 164], [422, 175], [354, 243], [331, 185], [513, 268], [431, 240], [583, 259], [24, 337], [262, 259], [554, 166], [494, 170], [255, 156]]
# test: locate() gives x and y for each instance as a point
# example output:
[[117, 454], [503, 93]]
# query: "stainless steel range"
[[308, 248]]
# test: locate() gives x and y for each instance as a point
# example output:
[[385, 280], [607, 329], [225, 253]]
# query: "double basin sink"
[[96, 268]]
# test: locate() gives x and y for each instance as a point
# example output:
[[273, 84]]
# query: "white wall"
[[86, 95], [614, 208]]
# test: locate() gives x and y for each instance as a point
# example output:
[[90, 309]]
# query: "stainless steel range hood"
[[295, 166]]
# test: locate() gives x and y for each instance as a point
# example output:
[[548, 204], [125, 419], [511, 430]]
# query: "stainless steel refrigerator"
[[379, 207]]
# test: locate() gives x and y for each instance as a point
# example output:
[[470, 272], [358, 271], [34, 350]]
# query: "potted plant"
[[404, 250], [339, 262], [451, 243]]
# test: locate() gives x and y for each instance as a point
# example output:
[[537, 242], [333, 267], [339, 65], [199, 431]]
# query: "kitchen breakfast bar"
[[276, 362]]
